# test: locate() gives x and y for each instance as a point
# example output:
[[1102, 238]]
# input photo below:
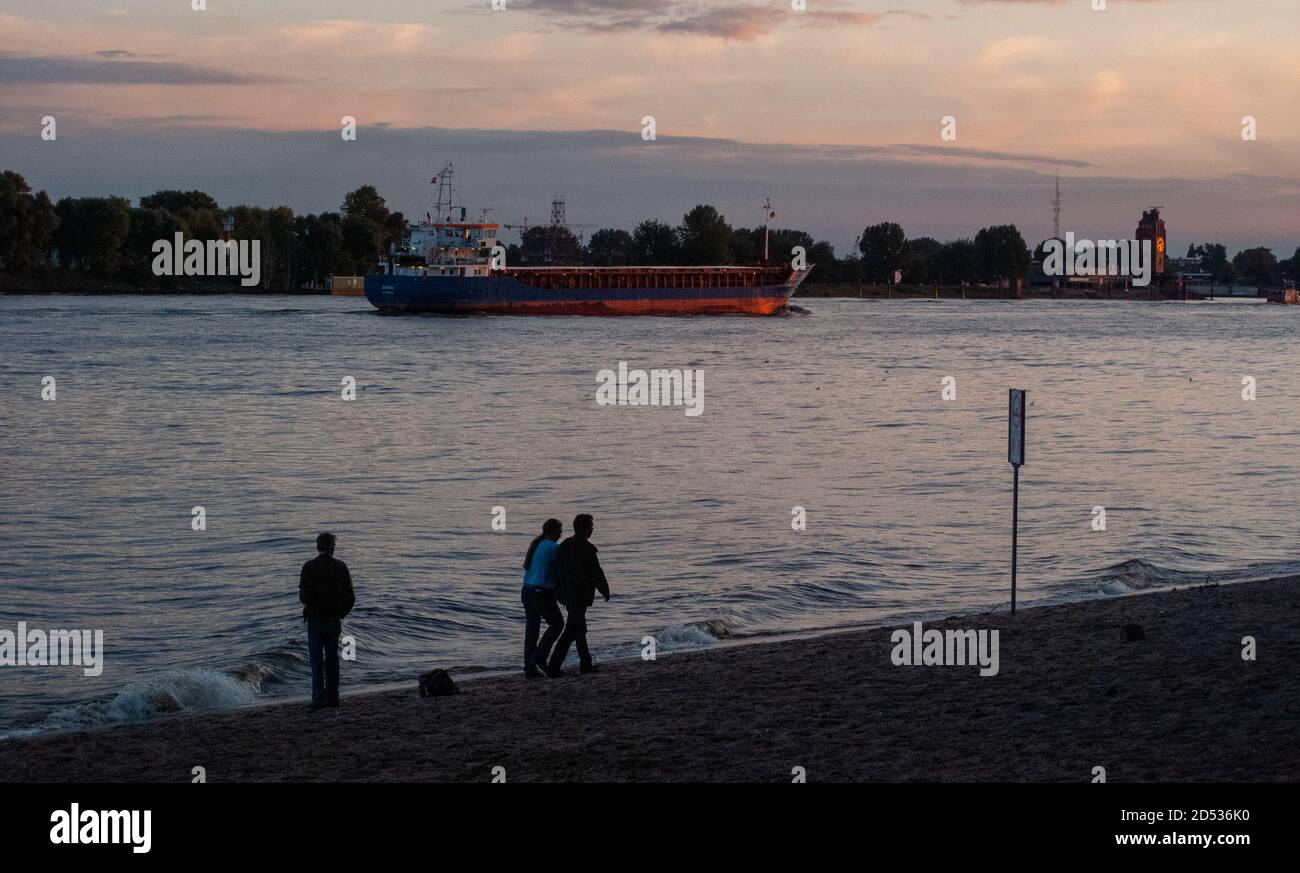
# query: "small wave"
[[673, 638], [1139, 575], [1113, 586], [175, 691], [694, 635], [271, 669], [178, 691]]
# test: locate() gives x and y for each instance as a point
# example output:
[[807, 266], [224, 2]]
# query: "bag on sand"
[[436, 683]]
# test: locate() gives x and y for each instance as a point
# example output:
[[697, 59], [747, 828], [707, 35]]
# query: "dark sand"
[[1182, 705]]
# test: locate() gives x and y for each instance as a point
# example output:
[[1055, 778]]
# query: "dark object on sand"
[[1131, 632], [437, 683]]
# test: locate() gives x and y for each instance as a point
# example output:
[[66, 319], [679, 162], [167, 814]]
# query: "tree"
[[747, 244], [822, 257], [610, 248], [366, 202], [884, 251], [394, 229], [177, 202], [273, 230], [197, 211], [781, 244], [147, 226], [1257, 266], [1292, 267], [204, 224], [705, 237], [1214, 260], [849, 270], [654, 244], [318, 249], [277, 248], [549, 244], [93, 232], [745, 249], [1001, 253], [958, 262], [922, 260], [366, 230], [363, 244], [27, 225]]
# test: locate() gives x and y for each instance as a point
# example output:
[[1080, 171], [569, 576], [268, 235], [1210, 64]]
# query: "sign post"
[[1016, 455]]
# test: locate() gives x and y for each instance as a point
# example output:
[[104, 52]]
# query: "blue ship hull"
[[504, 294]]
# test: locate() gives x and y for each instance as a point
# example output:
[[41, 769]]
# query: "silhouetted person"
[[577, 579], [325, 589], [538, 596]]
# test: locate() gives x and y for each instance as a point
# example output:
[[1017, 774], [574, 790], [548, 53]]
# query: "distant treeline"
[[110, 240], [705, 238], [1257, 266]]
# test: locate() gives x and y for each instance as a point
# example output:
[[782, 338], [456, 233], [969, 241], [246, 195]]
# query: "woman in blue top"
[[539, 597]]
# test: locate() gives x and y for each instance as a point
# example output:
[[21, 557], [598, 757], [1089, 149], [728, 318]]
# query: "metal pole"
[[1015, 526]]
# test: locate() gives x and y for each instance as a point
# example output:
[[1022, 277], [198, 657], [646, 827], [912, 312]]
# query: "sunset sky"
[[834, 111]]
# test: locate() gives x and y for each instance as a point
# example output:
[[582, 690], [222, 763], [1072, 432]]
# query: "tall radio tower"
[[1056, 211]]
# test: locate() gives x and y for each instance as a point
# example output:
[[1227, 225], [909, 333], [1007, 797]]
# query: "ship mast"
[[442, 199]]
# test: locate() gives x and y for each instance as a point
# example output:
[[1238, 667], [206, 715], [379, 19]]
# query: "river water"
[[235, 404]]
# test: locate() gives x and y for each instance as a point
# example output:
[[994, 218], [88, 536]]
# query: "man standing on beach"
[[578, 577], [325, 589]]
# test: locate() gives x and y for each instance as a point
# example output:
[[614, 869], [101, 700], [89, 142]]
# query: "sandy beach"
[[1071, 694]]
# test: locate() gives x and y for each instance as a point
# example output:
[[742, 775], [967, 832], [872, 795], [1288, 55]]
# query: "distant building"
[[1152, 227]]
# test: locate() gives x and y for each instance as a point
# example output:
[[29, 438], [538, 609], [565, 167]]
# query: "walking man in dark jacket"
[[325, 589], [577, 579]]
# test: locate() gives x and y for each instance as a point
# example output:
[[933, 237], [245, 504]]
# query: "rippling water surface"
[[233, 404]]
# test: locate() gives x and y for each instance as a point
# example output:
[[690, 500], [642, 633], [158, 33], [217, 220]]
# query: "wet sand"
[[1070, 695]]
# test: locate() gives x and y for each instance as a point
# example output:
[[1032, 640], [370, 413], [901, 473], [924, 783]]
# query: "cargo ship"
[[450, 266]]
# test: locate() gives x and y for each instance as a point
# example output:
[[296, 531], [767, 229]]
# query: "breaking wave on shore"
[[1137, 575], [171, 692]]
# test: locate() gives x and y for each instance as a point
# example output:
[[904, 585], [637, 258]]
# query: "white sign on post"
[[1016, 455], [1016, 422]]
